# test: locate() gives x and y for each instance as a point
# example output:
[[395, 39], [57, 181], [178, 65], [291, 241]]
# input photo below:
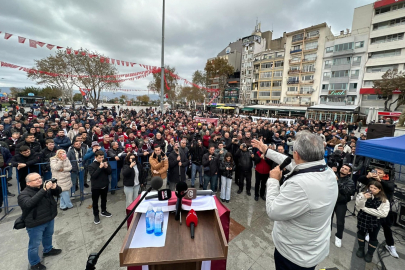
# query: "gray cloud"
[[131, 30]]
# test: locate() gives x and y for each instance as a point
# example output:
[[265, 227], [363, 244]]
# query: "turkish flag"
[[21, 39], [33, 43], [76, 52], [59, 47], [113, 61], [127, 64], [118, 62], [68, 51], [50, 46], [7, 35], [40, 43], [83, 53]]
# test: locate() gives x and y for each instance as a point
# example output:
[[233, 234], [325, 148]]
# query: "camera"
[[54, 180], [244, 145]]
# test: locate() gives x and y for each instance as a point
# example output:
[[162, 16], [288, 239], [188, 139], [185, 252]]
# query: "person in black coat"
[[245, 164], [39, 210], [175, 169], [99, 171], [211, 168], [31, 142], [46, 154], [25, 160], [233, 148], [133, 178]]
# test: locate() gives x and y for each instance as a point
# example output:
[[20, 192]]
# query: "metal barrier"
[[6, 208]]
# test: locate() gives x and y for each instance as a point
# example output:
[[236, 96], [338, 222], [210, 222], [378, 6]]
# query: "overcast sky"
[[131, 29]]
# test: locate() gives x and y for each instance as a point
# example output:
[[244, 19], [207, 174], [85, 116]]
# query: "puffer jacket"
[[62, 143], [301, 209], [38, 205], [63, 177]]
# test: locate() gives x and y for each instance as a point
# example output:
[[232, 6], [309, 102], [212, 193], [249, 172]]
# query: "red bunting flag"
[[21, 39], [76, 52], [7, 35], [102, 59], [132, 64], [118, 62], [40, 43], [59, 47], [83, 53], [127, 64], [33, 43], [107, 60], [50, 46], [68, 51], [112, 61]]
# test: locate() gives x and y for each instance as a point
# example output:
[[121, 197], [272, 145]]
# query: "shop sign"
[[337, 92]]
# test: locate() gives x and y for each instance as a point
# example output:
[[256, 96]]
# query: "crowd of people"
[[47, 143]]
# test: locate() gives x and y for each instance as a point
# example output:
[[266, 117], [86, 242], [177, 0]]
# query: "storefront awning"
[[367, 91], [324, 107], [248, 109]]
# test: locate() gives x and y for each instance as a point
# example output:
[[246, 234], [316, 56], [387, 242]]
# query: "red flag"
[[50, 46], [132, 64], [76, 52], [59, 47], [68, 51], [33, 43], [21, 39], [107, 60], [102, 59], [7, 35], [113, 61], [127, 64], [167, 96], [118, 62], [81, 91], [40, 43], [83, 53]]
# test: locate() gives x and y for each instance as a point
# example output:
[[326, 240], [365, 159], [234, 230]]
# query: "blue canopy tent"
[[391, 149]]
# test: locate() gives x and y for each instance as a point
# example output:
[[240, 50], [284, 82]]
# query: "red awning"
[[383, 3], [397, 114], [369, 91], [233, 82]]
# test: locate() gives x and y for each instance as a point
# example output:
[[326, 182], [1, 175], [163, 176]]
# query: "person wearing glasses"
[[39, 210]]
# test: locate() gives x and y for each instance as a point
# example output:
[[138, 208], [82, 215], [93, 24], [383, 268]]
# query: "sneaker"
[[38, 266], [239, 191], [352, 198], [201, 186], [338, 242], [227, 201], [53, 252], [105, 214], [256, 198], [367, 238], [392, 250], [96, 220]]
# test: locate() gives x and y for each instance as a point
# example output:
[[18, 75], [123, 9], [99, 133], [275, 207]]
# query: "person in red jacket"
[[206, 139], [263, 167]]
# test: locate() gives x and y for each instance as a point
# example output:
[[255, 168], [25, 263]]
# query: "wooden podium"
[[180, 251]]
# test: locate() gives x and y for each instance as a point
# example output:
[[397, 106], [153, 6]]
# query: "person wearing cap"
[[346, 190]]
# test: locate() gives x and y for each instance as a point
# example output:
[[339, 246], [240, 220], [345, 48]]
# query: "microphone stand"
[[93, 257]]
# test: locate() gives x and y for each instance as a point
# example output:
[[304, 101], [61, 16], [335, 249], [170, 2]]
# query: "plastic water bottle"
[[159, 222], [150, 220]]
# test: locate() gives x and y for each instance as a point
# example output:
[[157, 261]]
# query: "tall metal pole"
[[163, 59]]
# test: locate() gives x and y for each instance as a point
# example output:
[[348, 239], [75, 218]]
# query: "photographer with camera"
[[60, 168], [159, 164], [211, 168], [39, 210], [245, 159], [197, 151]]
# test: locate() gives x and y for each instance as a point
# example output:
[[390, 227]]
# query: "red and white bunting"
[[41, 43], [33, 43], [50, 46], [21, 39], [7, 35]]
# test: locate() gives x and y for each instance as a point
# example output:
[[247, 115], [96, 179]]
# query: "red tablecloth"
[[224, 215]]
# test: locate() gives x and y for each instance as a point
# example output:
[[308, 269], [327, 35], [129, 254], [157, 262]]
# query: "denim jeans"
[[65, 200], [212, 180], [42, 233], [130, 194], [196, 168], [74, 176], [226, 184]]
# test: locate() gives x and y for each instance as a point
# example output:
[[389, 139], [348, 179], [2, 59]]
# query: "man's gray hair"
[[27, 178], [309, 146]]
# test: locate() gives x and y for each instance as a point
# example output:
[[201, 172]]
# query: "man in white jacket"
[[302, 206]]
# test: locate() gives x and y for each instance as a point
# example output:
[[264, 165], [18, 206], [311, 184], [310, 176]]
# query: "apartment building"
[[386, 47], [303, 65]]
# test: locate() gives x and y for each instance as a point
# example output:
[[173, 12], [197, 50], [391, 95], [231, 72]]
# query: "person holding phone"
[[132, 178], [372, 205], [60, 168]]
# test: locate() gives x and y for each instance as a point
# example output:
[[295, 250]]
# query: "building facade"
[[303, 65]]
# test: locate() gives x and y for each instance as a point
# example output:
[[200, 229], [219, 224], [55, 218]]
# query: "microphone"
[[156, 182], [163, 194], [192, 193], [181, 189], [285, 163], [192, 221]]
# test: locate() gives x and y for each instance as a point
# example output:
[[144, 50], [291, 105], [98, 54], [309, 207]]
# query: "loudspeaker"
[[401, 215], [375, 131]]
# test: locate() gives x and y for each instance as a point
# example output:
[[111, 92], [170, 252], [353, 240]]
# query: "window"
[[359, 44], [267, 65], [329, 49], [264, 94], [292, 89], [265, 84], [276, 93], [356, 59], [265, 75], [353, 86], [278, 73], [276, 83], [310, 57], [338, 86], [298, 37], [279, 63], [381, 68], [313, 33], [354, 73], [341, 61], [295, 68], [325, 86], [370, 97], [389, 53], [308, 68], [296, 48], [311, 45], [308, 77], [292, 80], [382, 10], [368, 84], [328, 63], [306, 90], [326, 75], [340, 73], [388, 38], [344, 47]]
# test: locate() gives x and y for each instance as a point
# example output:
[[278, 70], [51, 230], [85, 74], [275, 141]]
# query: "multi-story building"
[[303, 65], [344, 59], [386, 47], [252, 45]]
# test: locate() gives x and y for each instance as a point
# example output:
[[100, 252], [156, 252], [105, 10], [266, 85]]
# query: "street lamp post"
[[163, 59]]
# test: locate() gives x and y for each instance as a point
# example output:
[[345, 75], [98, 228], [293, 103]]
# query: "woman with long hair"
[[132, 174], [60, 168], [372, 205], [227, 166]]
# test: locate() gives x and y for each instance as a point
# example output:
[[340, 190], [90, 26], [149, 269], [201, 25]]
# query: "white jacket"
[[301, 209], [380, 212]]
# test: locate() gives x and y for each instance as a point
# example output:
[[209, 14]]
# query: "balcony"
[[341, 67], [339, 80], [295, 71], [293, 82], [292, 93], [356, 64], [311, 49], [328, 66], [296, 51], [345, 52], [354, 77], [309, 60], [315, 37], [308, 71], [256, 71], [325, 78], [295, 61], [297, 40], [299, 93], [307, 82]]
